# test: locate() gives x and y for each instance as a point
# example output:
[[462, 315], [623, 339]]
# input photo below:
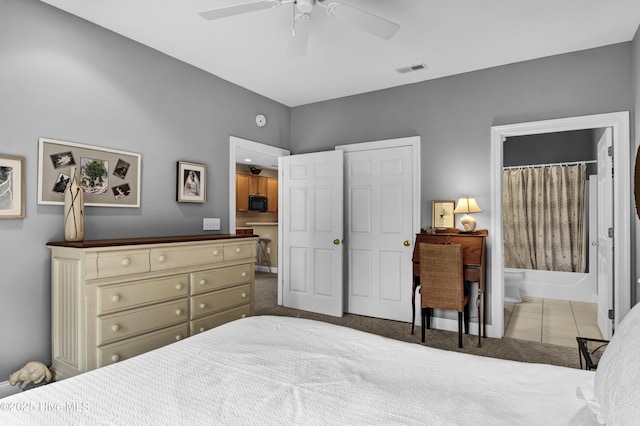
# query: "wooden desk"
[[473, 257]]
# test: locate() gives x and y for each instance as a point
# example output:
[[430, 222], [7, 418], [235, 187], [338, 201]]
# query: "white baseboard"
[[262, 268], [6, 389]]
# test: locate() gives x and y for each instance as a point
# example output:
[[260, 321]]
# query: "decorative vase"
[[73, 209]]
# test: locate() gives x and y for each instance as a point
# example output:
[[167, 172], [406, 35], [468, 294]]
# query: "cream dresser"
[[115, 299]]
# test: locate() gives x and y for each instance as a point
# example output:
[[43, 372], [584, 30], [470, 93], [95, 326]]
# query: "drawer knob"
[[202, 329], [116, 298], [244, 275], [244, 315], [216, 252], [203, 305], [244, 295], [179, 286], [178, 312], [178, 337], [162, 258], [238, 250], [126, 261], [203, 282], [115, 327], [115, 357]]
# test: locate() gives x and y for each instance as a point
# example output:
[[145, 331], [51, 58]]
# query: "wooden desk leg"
[[484, 318], [480, 319], [413, 305]]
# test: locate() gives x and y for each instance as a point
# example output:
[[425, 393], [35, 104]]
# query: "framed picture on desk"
[[443, 216]]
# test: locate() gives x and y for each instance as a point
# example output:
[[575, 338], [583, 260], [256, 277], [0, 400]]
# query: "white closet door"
[[313, 232], [379, 221]]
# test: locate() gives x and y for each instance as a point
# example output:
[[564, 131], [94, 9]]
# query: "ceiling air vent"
[[411, 68]]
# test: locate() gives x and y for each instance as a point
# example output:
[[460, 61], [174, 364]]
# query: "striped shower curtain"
[[545, 218]]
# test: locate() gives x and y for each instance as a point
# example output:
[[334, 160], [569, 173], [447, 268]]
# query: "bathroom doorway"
[[619, 125]]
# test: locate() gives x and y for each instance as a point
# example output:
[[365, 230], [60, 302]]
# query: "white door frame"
[[604, 243], [619, 123], [234, 144]]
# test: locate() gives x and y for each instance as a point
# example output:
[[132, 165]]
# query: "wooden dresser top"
[[146, 240]]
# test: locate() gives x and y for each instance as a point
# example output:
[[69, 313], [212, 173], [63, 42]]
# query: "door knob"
[[336, 241], [407, 243]]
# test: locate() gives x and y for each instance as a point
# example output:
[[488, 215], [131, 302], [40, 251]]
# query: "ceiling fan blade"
[[298, 43], [366, 21], [224, 12]]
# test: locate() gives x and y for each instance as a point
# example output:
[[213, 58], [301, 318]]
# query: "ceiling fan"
[[302, 10]]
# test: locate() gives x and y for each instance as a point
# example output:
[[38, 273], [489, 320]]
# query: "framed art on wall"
[[192, 180], [109, 177], [443, 216], [12, 187]]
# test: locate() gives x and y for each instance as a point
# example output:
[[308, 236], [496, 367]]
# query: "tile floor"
[[551, 321]]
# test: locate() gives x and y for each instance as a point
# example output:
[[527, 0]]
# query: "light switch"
[[211, 224]]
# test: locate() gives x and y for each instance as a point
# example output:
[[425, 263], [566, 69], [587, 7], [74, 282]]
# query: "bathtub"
[[573, 286]]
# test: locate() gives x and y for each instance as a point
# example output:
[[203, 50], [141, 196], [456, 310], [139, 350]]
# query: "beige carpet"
[[505, 348]]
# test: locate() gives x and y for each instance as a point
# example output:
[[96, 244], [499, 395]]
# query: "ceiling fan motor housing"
[[305, 6]]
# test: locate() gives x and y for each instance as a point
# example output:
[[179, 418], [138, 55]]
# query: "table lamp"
[[467, 205]]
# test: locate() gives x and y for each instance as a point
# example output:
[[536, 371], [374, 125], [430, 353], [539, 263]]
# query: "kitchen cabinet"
[[272, 195], [242, 192], [247, 184]]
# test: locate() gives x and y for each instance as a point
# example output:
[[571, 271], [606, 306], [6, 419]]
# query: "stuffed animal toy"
[[32, 372]]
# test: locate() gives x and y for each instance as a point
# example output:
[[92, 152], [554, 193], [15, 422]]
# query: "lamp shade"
[[467, 205]]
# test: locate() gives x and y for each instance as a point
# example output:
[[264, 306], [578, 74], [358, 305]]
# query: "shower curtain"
[[545, 218]]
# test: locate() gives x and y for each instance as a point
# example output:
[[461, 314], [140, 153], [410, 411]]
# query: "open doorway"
[[249, 156], [619, 125], [550, 237]]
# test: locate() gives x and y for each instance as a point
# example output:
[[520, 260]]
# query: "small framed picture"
[[192, 181], [443, 216], [12, 187]]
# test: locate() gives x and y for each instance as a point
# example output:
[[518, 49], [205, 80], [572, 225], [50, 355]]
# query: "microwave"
[[258, 203]]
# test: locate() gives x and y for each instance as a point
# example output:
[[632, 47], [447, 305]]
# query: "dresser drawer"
[[220, 300], [163, 259], [117, 297], [129, 348], [239, 250], [219, 278], [119, 326], [207, 323], [118, 263]]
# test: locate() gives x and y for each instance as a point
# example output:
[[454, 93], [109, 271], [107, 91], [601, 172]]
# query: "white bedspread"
[[279, 370]]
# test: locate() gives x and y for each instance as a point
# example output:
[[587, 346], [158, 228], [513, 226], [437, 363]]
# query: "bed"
[[282, 370]]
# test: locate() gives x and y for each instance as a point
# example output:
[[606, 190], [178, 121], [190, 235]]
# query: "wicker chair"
[[442, 284]]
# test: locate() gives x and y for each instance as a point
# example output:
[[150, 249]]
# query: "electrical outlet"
[[210, 224], [268, 250]]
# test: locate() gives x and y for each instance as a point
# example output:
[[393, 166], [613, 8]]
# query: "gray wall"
[[453, 116], [64, 78], [557, 147]]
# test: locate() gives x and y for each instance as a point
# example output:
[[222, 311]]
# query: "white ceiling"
[[450, 37]]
